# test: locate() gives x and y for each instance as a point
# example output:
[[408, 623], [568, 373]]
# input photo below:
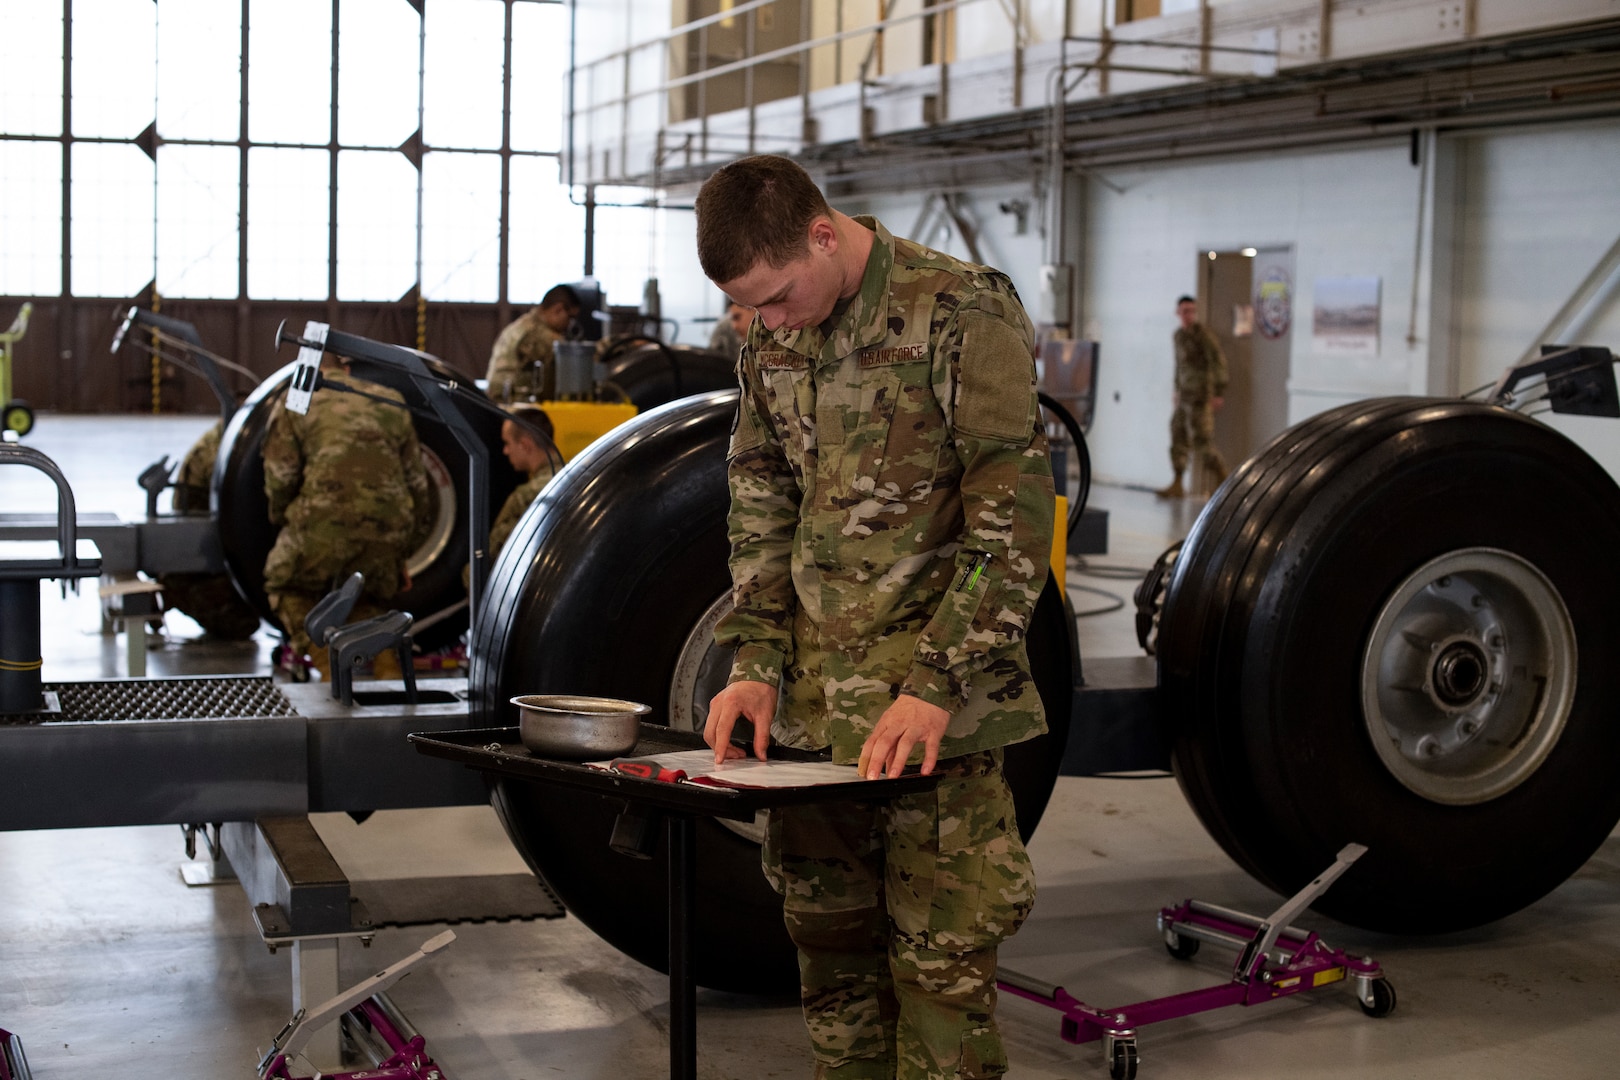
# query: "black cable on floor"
[[1119, 601]]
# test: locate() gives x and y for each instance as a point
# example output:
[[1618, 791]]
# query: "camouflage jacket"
[[512, 509], [196, 475], [522, 353], [351, 463], [891, 507], [1200, 365]]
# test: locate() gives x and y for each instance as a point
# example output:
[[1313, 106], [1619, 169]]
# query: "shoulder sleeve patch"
[[996, 394]]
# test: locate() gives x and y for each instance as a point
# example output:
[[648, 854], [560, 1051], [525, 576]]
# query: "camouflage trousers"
[[213, 602], [896, 909], [1192, 428], [298, 573]]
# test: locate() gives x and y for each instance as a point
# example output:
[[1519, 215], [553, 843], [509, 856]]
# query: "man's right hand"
[[754, 700]]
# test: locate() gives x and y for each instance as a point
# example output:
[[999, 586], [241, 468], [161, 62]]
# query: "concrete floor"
[[111, 967]]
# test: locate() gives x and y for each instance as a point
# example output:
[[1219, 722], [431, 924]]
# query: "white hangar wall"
[[1537, 209], [1344, 213], [1510, 223]]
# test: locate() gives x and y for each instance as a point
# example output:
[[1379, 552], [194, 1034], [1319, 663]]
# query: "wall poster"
[[1345, 316]]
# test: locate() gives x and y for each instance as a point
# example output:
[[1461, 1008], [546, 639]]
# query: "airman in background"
[[730, 330], [346, 485], [1200, 381], [210, 599], [520, 364]]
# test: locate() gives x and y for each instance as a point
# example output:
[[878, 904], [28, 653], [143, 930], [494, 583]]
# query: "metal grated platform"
[[243, 697]]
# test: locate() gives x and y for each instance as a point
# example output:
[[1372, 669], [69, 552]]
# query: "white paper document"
[[699, 767]]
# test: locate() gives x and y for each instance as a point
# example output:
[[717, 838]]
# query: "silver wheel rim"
[[443, 488], [1468, 676], [701, 671]]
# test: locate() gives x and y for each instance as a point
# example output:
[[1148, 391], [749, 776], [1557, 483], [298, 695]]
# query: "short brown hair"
[[753, 209]]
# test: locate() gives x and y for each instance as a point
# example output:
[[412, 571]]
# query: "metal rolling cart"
[[500, 751]]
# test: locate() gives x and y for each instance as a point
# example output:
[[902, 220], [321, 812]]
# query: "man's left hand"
[[905, 723]]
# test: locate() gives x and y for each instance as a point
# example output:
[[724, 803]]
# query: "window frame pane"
[[289, 208], [111, 199], [290, 72], [199, 69], [376, 225], [379, 44], [463, 83], [32, 102], [199, 236], [461, 260], [114, 67], [31, 218]]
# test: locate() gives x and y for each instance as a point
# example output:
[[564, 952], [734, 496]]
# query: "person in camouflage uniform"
[[210, 599], [891, 520], [533, 454], [1200, 382], [730, 329], [520, 364], [345, 482]]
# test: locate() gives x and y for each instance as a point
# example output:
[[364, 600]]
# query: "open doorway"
[[1238, 302]]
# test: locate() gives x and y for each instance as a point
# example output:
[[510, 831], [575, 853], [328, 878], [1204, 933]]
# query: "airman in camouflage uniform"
[[210, 599], [730, 329], [891, 518], [345, 482], [1200, 381], [524, 449], [520, 364]]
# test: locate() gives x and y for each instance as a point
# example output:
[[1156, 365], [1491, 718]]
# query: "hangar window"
[[548, 231], [30, 218], [462, 87], [110, 199], [376, 210], [114, 67], [199, 65], [379, 60], [198, 204], [287, 212], [32, 103], [194, 148], [290, 72], [461, 233]]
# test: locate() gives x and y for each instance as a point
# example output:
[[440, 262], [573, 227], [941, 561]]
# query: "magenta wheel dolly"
[[372, 1024], [1275, 960]]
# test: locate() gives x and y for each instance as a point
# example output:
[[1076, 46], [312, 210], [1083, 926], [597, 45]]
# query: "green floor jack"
[[15, 414]]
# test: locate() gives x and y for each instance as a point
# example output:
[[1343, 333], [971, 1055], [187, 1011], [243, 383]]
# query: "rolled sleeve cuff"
[[758, 663], [934, 685]]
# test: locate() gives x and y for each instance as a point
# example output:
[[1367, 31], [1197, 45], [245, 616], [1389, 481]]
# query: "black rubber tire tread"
[[1236, 514], [1261, 647], [653, 373], [243, 513], [595, 593]]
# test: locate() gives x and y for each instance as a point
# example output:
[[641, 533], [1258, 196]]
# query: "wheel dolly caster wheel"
[[1119, 1047], [1376, 995]]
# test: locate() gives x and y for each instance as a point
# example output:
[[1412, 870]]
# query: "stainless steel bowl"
[[578, 728]]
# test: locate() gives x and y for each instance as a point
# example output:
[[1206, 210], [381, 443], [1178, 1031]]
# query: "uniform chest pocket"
[[790, 396], [902, 430]]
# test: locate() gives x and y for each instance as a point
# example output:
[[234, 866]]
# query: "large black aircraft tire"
[[610, 585], [652, 373], [1395, 626], [243, 512]]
